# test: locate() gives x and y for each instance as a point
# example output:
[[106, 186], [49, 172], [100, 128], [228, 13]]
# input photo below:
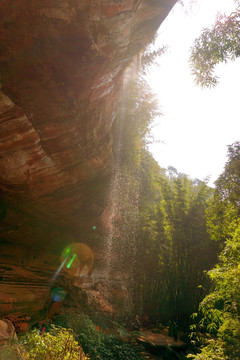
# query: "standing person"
[[136, 323]]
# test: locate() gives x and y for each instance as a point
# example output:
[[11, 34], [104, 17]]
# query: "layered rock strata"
[[61, 69]]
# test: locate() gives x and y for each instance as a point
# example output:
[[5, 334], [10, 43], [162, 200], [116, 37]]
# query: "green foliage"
[[212, 351], [87, 333], [174, 247], [228, 184], [216, 45], [113, 348], [100, 346], [138, 109], [149, 57], [161, 215], [219, 312], [58, 343]]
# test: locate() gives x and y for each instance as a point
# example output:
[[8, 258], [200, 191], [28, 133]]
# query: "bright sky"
[[197, 124]]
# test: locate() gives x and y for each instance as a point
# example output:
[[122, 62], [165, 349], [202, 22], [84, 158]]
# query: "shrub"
[[213, 351], [99, 346], [113, 348], [59, 343], [87, 333]]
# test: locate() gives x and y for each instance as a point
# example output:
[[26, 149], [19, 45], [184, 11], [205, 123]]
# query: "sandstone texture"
[[61, 64]]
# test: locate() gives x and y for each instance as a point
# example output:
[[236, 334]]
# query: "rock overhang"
[[62, 64]]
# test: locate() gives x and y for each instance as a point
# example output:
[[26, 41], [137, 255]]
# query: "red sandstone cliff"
[[61, 67]]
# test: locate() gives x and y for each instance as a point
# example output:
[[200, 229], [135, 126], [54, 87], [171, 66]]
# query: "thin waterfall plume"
[[123, 200]]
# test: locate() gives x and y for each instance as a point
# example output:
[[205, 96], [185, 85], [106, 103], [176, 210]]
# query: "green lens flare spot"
[[67, 252], [94, 227], [68, 266]]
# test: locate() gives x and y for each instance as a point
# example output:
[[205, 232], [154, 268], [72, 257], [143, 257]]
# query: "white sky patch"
[[197, 124]]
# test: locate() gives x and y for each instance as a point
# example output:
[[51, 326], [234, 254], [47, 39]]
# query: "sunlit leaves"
[[58, 343], [219, 44], [139, 109], [213, 351], [228, 184], [149, 57], [220, 310]]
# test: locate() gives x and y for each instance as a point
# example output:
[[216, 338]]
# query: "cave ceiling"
[[61, 68]]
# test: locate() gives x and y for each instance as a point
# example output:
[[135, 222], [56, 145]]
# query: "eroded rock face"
[[7, 332], [62, 63]]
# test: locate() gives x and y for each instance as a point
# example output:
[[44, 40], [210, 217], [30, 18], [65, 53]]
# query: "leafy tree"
[[219, 44], [173, 245], [228, 184], [138, 110], [220, 310], [189, 249]]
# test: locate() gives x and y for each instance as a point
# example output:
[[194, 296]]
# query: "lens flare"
[[58, 270], [68, 266], [58, 294], [78, 259]]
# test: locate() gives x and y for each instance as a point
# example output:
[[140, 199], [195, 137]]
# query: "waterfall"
[[122, 203]]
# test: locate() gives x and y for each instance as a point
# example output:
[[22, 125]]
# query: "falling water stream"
[[122, 203]]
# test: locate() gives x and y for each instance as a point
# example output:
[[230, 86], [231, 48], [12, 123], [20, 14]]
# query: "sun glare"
[[197, 124]]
